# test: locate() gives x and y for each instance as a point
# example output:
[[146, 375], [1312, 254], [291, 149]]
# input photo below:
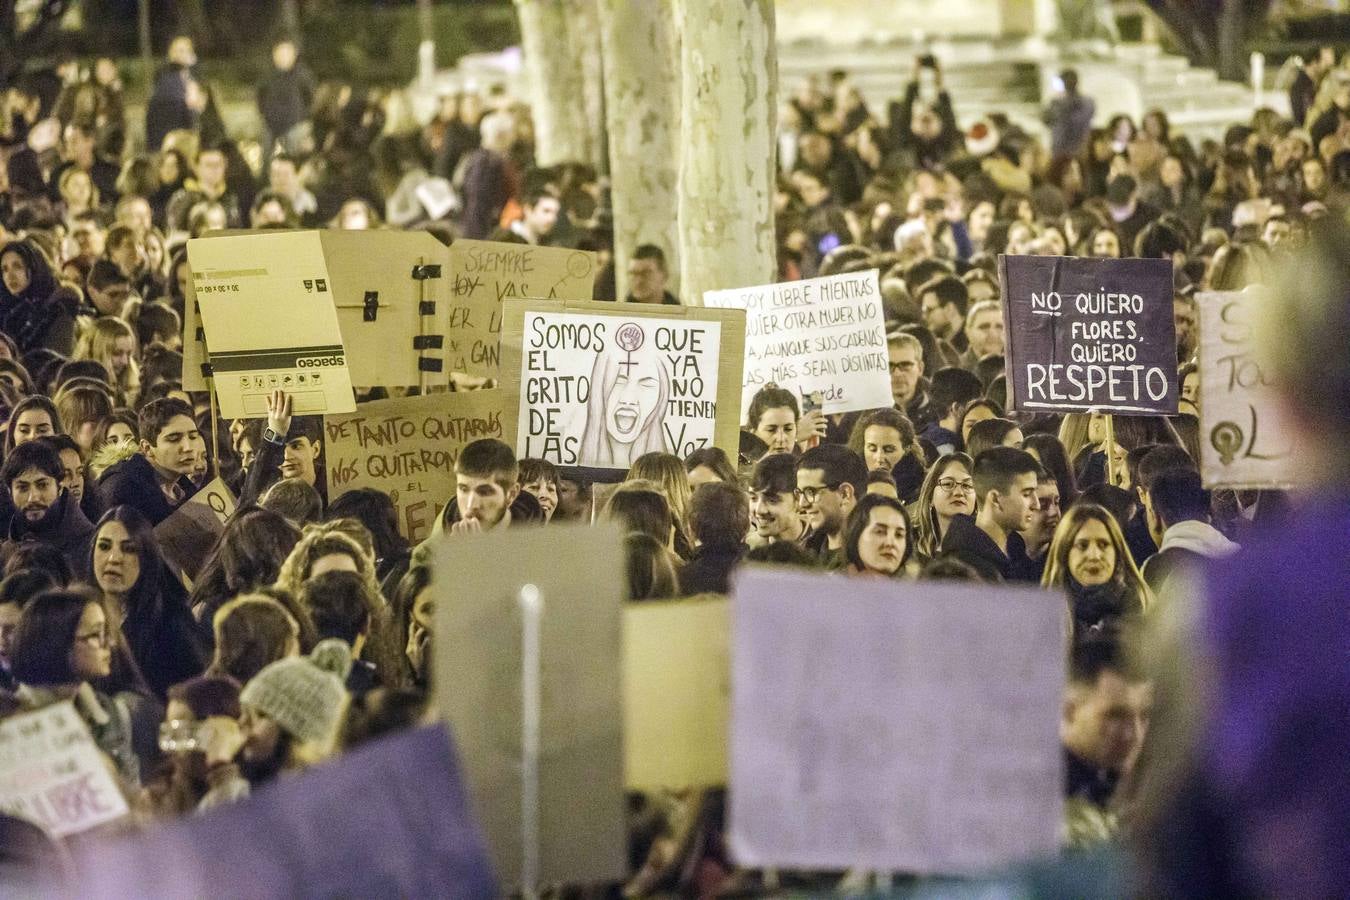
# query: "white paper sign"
[[1244, 441], [603, 390], [53, 774], [899, 727], [271, 322], [825, 335]]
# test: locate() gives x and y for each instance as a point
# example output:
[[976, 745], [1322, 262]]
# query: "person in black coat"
[[45, 512], [138, 590], [158, 479], [33, 312], [719, 518]]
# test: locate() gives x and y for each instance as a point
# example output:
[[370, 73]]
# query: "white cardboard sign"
[[822, 335], [52, 773], [1244, 442]]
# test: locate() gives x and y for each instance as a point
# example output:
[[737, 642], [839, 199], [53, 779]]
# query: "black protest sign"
[[1090, 334]]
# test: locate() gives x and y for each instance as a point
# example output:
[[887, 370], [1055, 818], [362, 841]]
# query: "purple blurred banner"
[[390, 819]]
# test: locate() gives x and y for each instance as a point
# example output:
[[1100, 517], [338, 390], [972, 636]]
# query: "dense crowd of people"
[[308, 628]]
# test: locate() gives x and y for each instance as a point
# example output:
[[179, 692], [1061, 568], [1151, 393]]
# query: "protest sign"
[[187, 537], [822, 335], [270, 322], [1089, 334], [380, 280], [387, 819], [1244, 440], [527, 651], [407, 447], [53, 774], [676, 693], [194, 342], [484, 273], [900, 727], [600, 384]]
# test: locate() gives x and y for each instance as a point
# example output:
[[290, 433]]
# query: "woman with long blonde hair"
[[947, 491], [1090, 561], [111, 341], [666, 470]]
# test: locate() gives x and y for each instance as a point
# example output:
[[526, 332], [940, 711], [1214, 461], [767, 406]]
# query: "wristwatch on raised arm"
[[272, 437]]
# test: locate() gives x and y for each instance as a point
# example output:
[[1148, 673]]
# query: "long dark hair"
[[1054, 460], [376, 511], [45, 635], [33, 401], [857, 524], [156, 590], [247, 556], [41, 279]]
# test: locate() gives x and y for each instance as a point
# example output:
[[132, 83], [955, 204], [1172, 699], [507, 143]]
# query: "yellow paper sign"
[[676, 693]]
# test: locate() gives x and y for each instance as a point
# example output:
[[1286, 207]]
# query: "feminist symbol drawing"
[[1227, 438], [629, 337]]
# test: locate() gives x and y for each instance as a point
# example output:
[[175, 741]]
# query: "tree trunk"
[[1231, 41], [729, 87], [642, 102], [561, 42]]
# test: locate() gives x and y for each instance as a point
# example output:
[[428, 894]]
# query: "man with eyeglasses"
[[830, 480], [1006, 482], [905, 355]]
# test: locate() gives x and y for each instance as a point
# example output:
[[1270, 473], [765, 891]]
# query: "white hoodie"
[[1197, 537]]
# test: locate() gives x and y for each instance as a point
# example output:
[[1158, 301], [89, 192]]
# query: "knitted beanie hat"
[[306, 696]]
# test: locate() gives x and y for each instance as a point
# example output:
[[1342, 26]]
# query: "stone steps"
[[1008, 77]]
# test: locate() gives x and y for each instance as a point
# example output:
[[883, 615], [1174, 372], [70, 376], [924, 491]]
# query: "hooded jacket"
[[1184, 544], [43, 315], [64, 527], [134, 482]]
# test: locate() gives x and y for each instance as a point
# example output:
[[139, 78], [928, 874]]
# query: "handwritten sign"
[[1244, 441], [408, 447], [901, 727], [485, 273], [600, 384], [676, 693], [532, 692], [823, 335], [53, 774], [1090, 334], [189, 535]]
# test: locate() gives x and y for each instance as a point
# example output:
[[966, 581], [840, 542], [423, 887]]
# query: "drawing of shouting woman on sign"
[[627, 405]]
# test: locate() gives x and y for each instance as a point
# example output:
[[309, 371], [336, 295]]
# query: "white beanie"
[[306, 696]]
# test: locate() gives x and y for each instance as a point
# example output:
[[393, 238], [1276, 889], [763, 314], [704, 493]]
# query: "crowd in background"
[[307, 630]]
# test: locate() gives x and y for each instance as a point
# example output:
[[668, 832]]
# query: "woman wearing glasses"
[[61, 645], [949, 490]]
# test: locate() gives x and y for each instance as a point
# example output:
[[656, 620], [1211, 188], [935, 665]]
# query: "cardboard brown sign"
[[407, 448]]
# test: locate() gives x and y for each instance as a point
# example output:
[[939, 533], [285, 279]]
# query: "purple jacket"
[[1274, 753]]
